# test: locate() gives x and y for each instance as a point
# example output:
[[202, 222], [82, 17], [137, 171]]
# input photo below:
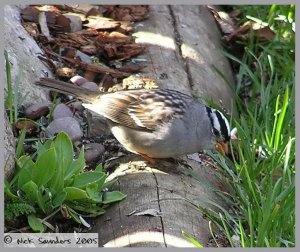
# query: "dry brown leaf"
[[264, 34], [113, 37], [46, 8], [101, 23], [226, 27], [72, 40], [116, 45], [224, 21], [87, 33], [89, 49], [55, 21], [51, 18], [77, 39], [38, 112], [124, 51], [125, 27], [93, 12], [93, 67], [127, 12], [30, 14], [243, 28], [120, 38], [63, 23], [30, 126]]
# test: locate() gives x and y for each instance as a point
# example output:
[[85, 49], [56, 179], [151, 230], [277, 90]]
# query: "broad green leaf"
[[74, 193], [86, 178], [59, 199], [8, 192], [41, 148], [64, 149], [108, 184], [110, 197], [26, 165], [36, 223], [99, 168], [25, 162], [45, 167], [57, 181], [69, 182], [93, 209], [30, 189], [24, 177], [101, 182], [48, 196], [76, 166], [94, 193], [40, 201]]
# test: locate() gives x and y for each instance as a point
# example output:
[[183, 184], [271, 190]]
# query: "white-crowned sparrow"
[[155, 123]]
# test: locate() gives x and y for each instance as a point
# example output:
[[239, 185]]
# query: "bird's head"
[[220, 130]]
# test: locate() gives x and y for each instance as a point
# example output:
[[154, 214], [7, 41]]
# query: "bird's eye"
[[216, 132]]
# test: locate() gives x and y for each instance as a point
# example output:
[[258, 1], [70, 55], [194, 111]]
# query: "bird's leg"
[[147, 158]]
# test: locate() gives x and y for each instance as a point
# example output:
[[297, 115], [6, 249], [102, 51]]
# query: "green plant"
[[9, 100], [264, 187], [191, 239], [14, 209], [56, 182], [12, 98], [262, 196]]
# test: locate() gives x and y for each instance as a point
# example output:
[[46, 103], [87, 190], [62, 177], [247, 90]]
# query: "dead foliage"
[[237, 33], [127, 12], [91, 51], [228, 23]]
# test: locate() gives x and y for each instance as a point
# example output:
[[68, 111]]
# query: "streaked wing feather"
[[157, 107], [144, 109], [116, 109]]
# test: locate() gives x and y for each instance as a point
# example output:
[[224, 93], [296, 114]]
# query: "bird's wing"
[[142, 109]]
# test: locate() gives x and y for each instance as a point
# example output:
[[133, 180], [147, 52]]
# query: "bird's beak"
[[234, 137], [222, 148], [233, 134]]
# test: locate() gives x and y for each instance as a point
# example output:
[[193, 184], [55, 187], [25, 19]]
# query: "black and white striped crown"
[[220, 125]]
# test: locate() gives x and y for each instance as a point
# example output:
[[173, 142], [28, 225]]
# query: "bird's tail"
[[69, 89]]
